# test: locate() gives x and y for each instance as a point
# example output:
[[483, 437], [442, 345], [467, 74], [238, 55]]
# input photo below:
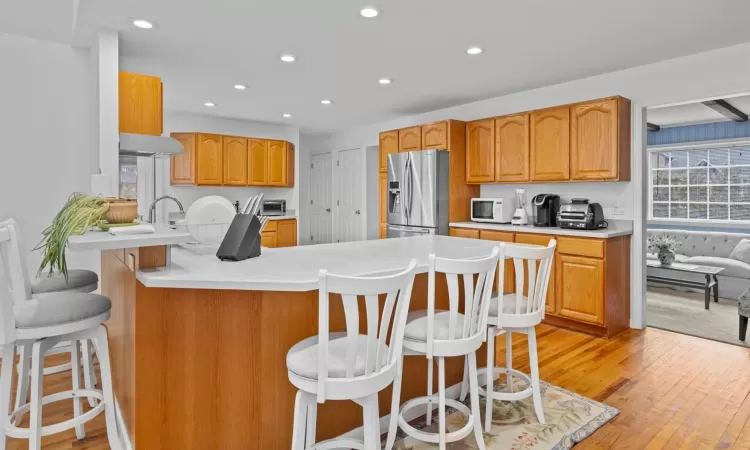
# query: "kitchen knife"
[[245, 207], [257, 206]]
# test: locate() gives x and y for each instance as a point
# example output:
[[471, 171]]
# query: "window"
[[701, 183]]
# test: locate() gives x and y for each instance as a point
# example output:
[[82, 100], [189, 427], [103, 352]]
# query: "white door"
[[321, 177], [350, 204]]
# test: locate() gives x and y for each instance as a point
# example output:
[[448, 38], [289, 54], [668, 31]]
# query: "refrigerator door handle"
[[408, 230], [411, 186], [406, 187]]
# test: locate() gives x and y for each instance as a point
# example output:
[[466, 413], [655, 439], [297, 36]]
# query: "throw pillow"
[[742, 251]]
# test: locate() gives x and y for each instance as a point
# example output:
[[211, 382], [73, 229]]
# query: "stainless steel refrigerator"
[[418, 193]]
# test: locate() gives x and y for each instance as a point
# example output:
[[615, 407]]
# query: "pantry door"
[[350, 206], [321, 199]]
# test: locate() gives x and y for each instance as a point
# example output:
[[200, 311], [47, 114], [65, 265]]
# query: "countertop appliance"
[[520, 216], [581, 215], [417, 193], [274, 208], [545, 210], [491, 210]]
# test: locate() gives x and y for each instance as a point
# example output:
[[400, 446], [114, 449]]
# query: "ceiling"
[[202, 48], [693, 113]]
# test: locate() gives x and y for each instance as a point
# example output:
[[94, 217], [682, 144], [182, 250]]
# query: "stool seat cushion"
[[416, 325], [509, 304], [302, 359], [77, 279], [59, 309]]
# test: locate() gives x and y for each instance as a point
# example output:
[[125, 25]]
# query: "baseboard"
[[123, 429]]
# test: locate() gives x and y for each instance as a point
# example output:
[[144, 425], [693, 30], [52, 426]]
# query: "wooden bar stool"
[[442, 334], [350, 365]]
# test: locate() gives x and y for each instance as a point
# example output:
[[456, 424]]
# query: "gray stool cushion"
[[60, 308], [56, 283], [416, 327]]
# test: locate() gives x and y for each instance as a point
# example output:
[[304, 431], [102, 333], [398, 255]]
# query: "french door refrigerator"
[[417, 193]]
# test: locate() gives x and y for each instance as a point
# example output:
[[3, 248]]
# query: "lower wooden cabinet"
[[268, 239], [383, 188], [383, 230], [279, 233], [580, 283]]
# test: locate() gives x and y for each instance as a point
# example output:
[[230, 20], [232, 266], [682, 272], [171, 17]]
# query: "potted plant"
[[664, 246]]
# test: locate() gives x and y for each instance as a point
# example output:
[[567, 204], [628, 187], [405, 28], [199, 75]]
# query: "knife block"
[[242, 240]]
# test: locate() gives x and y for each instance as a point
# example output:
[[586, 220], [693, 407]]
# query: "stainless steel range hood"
[[145, 145]]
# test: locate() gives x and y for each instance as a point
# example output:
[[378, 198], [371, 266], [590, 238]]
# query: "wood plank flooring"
[[674, 391]]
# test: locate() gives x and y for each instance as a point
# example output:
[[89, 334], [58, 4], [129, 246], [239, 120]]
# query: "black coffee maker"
[[545, 209]]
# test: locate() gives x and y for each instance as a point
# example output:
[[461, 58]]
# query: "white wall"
[[711, 74], [48, 148]]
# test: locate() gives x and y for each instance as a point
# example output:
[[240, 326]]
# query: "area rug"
[[570, 418]]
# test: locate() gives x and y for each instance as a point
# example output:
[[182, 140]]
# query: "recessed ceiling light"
[[145, 24], [286, 116], [474, 50], [326, 102], [240, 87], [288, 58], [369, 12], [385, 81], [209, 104]]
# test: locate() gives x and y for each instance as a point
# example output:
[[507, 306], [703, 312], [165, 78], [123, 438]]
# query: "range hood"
[[145, 145]]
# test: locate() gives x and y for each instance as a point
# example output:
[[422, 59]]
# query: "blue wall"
[[700, 132]]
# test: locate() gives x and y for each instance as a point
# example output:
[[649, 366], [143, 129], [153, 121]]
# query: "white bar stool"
[[350, 365], [442, 334], [40, 324]]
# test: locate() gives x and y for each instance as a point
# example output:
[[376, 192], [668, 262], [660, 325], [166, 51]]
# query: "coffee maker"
[[545, 210]]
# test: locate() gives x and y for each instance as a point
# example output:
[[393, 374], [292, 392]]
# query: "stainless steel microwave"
[[493, 210]]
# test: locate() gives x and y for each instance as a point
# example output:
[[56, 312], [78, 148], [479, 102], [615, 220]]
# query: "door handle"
[[406, 187], [356, 212], [328, 209], [408, 230]]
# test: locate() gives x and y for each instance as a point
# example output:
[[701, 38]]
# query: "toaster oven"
[[274, 208]]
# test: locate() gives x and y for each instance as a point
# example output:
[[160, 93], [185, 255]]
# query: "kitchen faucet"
[[152, 208]]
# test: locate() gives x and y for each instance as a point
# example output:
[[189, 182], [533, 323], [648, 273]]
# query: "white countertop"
[[100, 240], [296, 268], [280, 217], [615, 228]]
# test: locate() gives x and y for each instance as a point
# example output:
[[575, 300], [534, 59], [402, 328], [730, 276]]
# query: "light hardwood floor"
[[674, 391]]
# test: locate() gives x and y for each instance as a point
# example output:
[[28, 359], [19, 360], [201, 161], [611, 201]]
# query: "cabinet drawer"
[[272, 225], [465, 233], [581, 246], [533, 239], [500, 236]]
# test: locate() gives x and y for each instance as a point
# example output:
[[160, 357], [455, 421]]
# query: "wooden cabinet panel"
[[277, 163], [383, 230], [594, 149], [210, 160], [257, 150], [480, 151], [286, 233], [509, 277], [464, 233], [235, 161], [512, 148], [581, 246], [383, 188], [550, 144], [268, 239], [388, 145], [182, 167], [140, 104], [410, 139], [540, 239], [290, 156], [435, 135], [581, 287]]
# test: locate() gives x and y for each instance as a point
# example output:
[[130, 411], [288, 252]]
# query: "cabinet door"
[[210, 160], [383, 230], [182, 167], [512, 148], [286, 233], [268, 239], [388, 145], [235, 161], [140, 104], [509, 277], [480, 151], [594, 150], [290, 156], [464, 233], [539, 239], [277, 168], [550, 144], [257, 150], [435, 135], [383, 188], [410, 139], [581, 286]]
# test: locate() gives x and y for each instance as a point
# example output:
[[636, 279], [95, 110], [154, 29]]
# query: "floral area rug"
[[570, 418]]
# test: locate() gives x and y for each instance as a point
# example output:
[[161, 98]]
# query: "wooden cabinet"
[[268, 239], [257, 151], [512, 147], [464, 233], [235, 161], [388, 145], [600, 140], [383, 230], [410, 139], [280, 159], [480, 151], [581, 285], [182, 167], [210, 160], [286, 233], [140, 104], [509, 276], [435, 135], [541, 239], [383, 189], [550, 144]]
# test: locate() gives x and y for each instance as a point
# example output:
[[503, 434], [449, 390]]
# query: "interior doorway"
[[321, 195]]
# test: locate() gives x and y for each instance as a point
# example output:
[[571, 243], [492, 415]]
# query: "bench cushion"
[[77, 279], [59, 309]]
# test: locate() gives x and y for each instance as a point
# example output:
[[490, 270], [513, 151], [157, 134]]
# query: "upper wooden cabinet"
[[600, 140], [388, 145], [550, 144], [410, 139], [257, 150], [480, 151], [140, 104], [277, 163], [210, 160], [235, 161], [182, 168], [512, 134], [435, 135]]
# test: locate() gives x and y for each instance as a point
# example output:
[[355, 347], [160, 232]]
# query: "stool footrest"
[[508, 396], [434, 438], [338, 443], [23, 433]]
